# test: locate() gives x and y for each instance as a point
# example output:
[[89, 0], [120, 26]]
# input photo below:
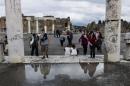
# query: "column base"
[[113, 58], [16, 59]]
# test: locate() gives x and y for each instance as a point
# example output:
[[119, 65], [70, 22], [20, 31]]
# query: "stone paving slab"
[[64, 59]]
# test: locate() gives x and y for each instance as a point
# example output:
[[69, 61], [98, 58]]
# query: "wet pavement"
[[82, 74]]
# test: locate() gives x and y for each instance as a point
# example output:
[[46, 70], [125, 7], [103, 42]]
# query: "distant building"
[[36, 24]]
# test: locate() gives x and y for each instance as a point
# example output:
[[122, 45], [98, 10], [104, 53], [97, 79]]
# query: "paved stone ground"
[[60, 59], [64, 59]]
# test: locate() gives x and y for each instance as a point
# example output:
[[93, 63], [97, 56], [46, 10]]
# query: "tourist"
[[69, 37], [84, 66], [84, 42], [6, 48], [44, 42], [92, 67], [35, 67], [54, 33], [67, 50], [58, 33], [92, 43], [62, 40], [74, 50], [99, 41], [34, 44]]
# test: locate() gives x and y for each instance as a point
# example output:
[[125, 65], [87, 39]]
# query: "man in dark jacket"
[[34, 45], [70, 38]]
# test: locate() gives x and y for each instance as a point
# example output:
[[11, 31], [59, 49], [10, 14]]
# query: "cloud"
[[80, 11]]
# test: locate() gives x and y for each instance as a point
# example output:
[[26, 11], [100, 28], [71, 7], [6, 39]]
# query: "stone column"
[[112, 30], [53, 26], [45, 26], [29, 24], [68, 25], [14, 30], [37, 26]]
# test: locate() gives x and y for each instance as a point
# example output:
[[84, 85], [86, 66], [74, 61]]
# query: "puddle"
[[92, 74]]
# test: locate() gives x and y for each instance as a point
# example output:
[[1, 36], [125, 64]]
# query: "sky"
[[81, 12]]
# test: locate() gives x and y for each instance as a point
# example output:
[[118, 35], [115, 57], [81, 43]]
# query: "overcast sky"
[[80, 11]]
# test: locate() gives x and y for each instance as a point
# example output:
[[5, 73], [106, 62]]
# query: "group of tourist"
[[57, 33], [69, 37], [43, 41], [93, 40]]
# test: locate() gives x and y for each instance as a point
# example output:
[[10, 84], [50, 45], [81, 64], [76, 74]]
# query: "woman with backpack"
[[44, 42], [62, 40]]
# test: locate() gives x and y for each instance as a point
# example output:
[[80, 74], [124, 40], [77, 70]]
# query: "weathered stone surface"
[[1, 46], [14, 28], [113, 9], [112, 29], [127, 52]]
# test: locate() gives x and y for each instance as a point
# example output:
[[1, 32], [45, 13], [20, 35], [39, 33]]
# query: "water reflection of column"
[[109, 67], [29, 24], [14, 77]]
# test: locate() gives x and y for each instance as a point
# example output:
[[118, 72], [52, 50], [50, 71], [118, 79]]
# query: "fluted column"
[[37, 26], [53, 26], [45, 26]]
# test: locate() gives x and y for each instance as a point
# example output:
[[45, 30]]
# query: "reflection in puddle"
[[85, 74], [47, 72]]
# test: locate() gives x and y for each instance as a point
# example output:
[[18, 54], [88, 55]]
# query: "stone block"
[[127, 52]]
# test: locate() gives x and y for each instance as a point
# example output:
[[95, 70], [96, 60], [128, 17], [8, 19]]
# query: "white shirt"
[[32, 40], [74, 52], [97, 35], [67, 51]]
